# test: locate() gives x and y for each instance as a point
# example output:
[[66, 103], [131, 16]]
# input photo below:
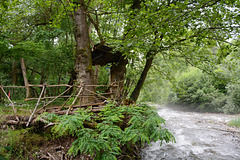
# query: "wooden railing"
[[78, 93]]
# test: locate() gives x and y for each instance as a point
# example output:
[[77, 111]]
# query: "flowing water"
[[198, 136]]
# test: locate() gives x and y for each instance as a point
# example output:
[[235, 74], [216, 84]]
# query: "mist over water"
[[198, 136]]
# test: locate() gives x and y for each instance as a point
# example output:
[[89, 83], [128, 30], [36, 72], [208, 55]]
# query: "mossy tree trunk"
[[118, 71], [83, 63]]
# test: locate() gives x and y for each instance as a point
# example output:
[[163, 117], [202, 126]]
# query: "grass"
[[235, 122]]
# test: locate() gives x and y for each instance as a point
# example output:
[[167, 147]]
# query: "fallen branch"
[[13, 122], [89, 104], [51, 156]]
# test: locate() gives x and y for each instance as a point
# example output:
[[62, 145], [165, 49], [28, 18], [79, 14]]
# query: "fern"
[[109, 130], [50, 117], [68, 125], [105, 140], [89, 142]]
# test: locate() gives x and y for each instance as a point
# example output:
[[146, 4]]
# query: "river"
[[198, 136]]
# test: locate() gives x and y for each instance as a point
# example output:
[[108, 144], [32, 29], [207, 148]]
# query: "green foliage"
[[2, 149], [42, 32], [204, 92], [103, 135], [196, 90], [235, 122], [232, 99], [15, 143]]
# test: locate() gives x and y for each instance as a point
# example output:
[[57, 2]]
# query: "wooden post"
[[67, 100], [54, 99], [14, 109], [80, 90], [44, 94], [1, 95], [36, 105]]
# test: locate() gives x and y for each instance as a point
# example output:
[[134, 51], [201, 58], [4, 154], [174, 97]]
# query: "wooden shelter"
[[103, 55]]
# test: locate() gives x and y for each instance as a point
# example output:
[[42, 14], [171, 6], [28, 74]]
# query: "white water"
[[198, 136]]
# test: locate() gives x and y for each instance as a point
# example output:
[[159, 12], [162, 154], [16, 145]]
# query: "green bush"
[[103, 135], [198, 91], [235, 122], [203, 92], [232, 99]]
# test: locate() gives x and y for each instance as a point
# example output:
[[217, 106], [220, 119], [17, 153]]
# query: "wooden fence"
[[78, 93]]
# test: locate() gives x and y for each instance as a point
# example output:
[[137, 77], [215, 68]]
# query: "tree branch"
[[96, 26]]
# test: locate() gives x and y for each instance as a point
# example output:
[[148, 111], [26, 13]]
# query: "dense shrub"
[[232, 99], [203, 92], [104, 135]]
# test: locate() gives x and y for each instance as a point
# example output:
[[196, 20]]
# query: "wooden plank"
[[101, 85], [89, 104], [58, 85], [80, 90], [29, 99], [36, 106], [14, 86]]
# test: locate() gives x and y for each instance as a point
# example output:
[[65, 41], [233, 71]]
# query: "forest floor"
[[198, 136], [35, 142]]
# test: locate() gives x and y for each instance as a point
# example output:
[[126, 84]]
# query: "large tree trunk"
[[117, 72], [135, 94], [96, 74], [83, 64], [24, 73]]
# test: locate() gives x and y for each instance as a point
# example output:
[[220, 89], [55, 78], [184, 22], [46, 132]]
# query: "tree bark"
[[83, 63], [135, 94], [117, 73], [96, 74], [24, 73]]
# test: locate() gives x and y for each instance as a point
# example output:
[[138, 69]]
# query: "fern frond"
[[69, 125]]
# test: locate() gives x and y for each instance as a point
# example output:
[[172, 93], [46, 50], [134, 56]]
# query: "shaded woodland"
[[78, 68]]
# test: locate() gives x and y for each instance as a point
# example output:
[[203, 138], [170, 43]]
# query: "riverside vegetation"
[[116, 132], [160, 43]]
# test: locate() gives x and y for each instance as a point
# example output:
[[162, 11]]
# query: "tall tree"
[[138, 28], [165, 26], [83, 64]]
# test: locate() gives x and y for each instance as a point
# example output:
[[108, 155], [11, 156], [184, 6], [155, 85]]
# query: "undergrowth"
[[20, 144], [235, 122], [103, 135]]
